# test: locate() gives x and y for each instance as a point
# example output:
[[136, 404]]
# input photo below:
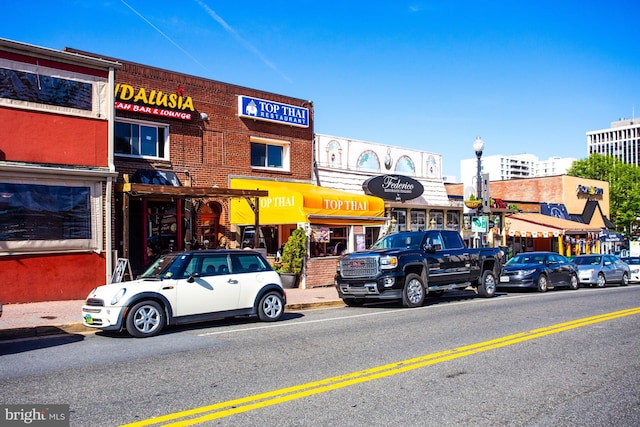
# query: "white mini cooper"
[[187, 287]]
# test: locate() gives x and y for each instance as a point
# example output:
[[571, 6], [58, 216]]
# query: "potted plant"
[[293, 256]]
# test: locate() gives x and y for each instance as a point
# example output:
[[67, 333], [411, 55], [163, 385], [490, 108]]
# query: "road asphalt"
[[60, 317]]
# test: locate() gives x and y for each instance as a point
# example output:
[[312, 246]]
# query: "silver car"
[[601, 270], [634, 264]]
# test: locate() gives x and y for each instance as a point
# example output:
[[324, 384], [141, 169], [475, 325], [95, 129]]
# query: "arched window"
[[368, 161], [405, 166]]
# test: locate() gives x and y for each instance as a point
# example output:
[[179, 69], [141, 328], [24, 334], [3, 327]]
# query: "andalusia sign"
[[393, 187]]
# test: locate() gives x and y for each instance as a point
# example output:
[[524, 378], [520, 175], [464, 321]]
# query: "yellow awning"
[[294, 202]]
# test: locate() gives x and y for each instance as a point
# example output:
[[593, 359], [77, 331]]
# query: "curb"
[[79, 328]]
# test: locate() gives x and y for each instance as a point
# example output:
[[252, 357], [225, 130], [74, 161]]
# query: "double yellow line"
[[275, 397]]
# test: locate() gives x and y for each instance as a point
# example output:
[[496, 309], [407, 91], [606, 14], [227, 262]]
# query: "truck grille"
[[360, 267]]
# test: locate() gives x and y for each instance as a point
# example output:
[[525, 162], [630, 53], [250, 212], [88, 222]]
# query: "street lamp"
[[478, 146]]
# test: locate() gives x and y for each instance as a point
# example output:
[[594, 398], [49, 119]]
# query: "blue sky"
[[528, 76]]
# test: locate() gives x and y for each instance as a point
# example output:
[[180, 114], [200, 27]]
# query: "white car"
[[187, 287], [634, 266]]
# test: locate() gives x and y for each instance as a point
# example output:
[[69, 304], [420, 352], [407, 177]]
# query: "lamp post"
[[478, 146]]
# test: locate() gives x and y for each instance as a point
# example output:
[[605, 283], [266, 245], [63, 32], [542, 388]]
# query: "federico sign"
[[271, 111], [393, 187]]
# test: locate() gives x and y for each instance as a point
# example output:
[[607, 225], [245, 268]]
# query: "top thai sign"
[[393, 187], [270, 111]]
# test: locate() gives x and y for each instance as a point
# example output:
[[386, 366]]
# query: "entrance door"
[[209, 225]]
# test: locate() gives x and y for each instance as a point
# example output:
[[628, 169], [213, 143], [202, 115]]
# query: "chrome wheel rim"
[[542, 283], [414, 291], [146, 319], [601, 281], [490, 283], [272, 306], [574, 282]]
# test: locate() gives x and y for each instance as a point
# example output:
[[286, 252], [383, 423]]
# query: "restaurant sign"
[[393, 187], [154, 102], [270, 111]]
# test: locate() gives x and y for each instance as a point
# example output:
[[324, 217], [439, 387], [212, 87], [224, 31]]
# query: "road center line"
[[249, 403]]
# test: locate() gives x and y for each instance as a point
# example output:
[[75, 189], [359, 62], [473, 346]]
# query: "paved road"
[[565, 358]]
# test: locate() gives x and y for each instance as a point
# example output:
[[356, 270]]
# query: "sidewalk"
[[55, 317]]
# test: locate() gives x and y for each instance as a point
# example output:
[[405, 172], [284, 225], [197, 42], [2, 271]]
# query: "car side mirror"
[[192, 278], [430, 249]]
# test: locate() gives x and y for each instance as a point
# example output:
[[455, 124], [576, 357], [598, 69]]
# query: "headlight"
[[528, 272], [388, 262], [118, 295]]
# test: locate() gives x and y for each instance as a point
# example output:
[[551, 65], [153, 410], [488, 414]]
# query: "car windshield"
[[399, 240], [526, 259], [587, 260], [166, 266]]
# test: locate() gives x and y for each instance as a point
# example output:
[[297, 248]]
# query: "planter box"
[[289, 280]]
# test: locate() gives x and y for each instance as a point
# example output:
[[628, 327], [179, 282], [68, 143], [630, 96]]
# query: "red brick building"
[[178, 141], [56, 173]]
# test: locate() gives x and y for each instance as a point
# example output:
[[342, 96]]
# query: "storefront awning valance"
[[294, 202], [543, 226]]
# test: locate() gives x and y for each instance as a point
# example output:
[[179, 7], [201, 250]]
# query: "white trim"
[[99, 85]]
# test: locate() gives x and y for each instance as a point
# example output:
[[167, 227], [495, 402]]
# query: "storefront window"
[[38, 217], [436, 220], [418, 220], [328, 241], [399, 219], [453, 220]]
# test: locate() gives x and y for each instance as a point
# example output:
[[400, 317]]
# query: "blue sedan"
[[539, 270]]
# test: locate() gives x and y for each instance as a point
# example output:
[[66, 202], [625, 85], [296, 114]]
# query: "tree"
[[624, 186]]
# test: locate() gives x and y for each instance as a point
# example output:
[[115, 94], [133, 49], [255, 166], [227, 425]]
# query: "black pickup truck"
[[408, 265]]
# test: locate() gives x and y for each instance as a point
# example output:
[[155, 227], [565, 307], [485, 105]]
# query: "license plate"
[[504, 279], [88, 318]]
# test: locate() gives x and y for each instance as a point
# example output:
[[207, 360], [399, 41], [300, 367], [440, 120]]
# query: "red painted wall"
[[50, 277], [37, 137]]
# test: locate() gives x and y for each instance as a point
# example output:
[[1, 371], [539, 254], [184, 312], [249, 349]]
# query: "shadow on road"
[[51, 337]]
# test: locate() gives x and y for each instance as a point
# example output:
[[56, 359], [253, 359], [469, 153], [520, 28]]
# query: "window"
[[418, 220], [39, 217], [453, 220], [143, 140], [271, 154]]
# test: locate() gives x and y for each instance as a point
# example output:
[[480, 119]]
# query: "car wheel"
[[487, 287], [271, 307], [543, 283], [625, 280], [145, 319], [601, 282], [413, 292], [573, 282], [354, 302]]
